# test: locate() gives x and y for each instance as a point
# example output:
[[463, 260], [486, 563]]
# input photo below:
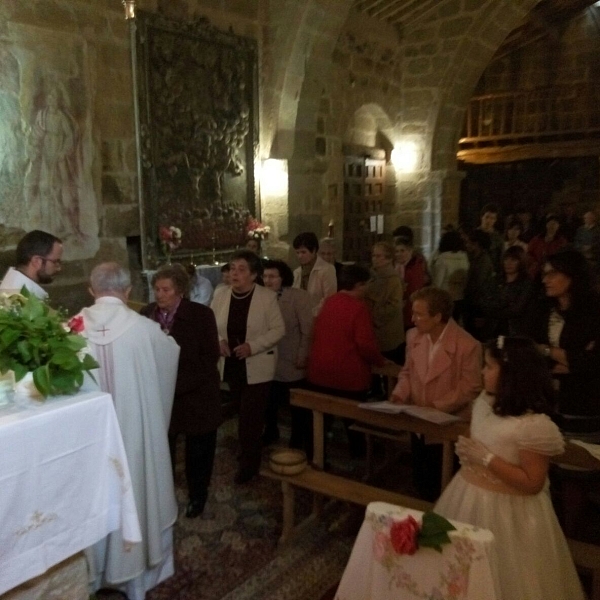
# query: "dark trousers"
[[427, 467], [301, 425], [252, 402], [199, 462], [279, 395]]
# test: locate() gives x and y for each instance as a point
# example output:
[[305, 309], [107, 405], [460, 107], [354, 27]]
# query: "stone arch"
[[368, 123], [308, 33], [472, 56]]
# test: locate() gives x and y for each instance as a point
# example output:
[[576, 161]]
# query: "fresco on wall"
[[199, 134], [46, 145]]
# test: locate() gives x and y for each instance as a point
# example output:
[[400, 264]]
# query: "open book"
[[433, 415]]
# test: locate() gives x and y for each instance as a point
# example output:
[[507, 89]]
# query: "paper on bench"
[[433, 415]]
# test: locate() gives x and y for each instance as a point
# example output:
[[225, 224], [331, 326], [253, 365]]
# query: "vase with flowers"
[[170, 240], [255, 230], [46, 354]]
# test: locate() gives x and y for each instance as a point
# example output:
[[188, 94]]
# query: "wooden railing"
[[543, 114]]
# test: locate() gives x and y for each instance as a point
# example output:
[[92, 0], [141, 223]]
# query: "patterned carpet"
[[231, 553]]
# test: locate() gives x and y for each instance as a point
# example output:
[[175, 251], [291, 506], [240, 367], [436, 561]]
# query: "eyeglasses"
[[55, 261]]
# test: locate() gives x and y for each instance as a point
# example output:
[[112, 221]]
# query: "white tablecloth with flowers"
[[64, 483], [376, 571]]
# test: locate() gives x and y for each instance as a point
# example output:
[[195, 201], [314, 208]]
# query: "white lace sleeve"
[[538, 433]]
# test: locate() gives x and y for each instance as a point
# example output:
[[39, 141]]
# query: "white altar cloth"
[[462, 571], [64, 483]]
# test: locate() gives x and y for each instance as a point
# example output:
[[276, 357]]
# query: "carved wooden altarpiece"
[[198, 135]]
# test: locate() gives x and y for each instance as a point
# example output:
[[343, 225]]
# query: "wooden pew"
[[324, 403], [341, 488], [586, 556], [332, 486]]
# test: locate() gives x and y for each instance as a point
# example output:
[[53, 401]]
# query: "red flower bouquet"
[[170, 239], [403, 535]]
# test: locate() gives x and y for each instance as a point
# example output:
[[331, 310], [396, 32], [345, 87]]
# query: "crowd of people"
[[324, 326]]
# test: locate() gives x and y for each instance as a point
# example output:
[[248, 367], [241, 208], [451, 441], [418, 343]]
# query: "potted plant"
[[36, 342]]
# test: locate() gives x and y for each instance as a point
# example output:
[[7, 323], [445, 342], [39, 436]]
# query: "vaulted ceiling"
[[545, 20]]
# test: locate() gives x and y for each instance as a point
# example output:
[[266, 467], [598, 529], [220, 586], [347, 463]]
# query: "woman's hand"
[[243, 350], [224, 347], [472, 451]]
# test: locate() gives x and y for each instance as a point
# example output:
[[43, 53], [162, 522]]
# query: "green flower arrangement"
[[34, 338]]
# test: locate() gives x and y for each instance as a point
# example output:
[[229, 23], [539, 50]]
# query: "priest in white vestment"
[[138, 367]]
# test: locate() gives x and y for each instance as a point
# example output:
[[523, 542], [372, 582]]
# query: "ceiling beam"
[[408, 12]]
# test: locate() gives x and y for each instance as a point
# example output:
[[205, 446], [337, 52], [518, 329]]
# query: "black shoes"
[[194, 509]]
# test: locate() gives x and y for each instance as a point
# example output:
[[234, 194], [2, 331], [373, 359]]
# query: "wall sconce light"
[[273, 178], [405, 157], [129, 6]]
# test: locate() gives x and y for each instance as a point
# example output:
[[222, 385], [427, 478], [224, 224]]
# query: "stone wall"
[[328, 76], [99, 30], [102, 29], [420, 80]]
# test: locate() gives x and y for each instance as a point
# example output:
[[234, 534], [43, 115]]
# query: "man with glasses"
[[38, 262]]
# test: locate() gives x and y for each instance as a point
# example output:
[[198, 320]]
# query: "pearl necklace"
[[242, 296]]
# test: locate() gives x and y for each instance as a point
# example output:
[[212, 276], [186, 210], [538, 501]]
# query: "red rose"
[[165, 234], [76, 324], [403, 535]]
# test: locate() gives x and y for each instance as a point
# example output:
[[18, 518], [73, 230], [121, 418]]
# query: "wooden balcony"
[[542, 123]]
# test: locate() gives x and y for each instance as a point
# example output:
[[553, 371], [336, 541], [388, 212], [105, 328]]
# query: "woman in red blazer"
[[344, 347]]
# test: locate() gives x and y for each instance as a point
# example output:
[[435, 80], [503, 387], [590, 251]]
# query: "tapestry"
[[198, 134]]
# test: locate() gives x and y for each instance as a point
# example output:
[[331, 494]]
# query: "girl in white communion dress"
[[503, 481]]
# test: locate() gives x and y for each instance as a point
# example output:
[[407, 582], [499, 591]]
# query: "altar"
[[64, 483], [463, 569]]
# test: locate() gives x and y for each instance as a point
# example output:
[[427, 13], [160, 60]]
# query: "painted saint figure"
[[55, 170]]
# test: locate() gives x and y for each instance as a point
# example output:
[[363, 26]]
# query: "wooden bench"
[[327, 485], [321, 404], [332, 486]]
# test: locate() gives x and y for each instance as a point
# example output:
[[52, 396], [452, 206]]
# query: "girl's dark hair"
[[524, 382], [287, 277], [517, 253], [350, 275], [451, 241], [576, 267]]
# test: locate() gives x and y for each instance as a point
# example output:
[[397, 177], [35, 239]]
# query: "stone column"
[[426, 201]]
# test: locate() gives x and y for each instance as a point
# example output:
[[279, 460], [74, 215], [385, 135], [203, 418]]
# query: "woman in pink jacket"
[[442, 370]]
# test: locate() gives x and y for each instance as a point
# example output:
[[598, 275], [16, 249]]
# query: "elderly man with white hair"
[[138, 366], [327, 251]]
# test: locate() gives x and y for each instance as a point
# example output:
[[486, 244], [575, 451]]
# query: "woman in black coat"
[[197, 405], [567, 330]]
